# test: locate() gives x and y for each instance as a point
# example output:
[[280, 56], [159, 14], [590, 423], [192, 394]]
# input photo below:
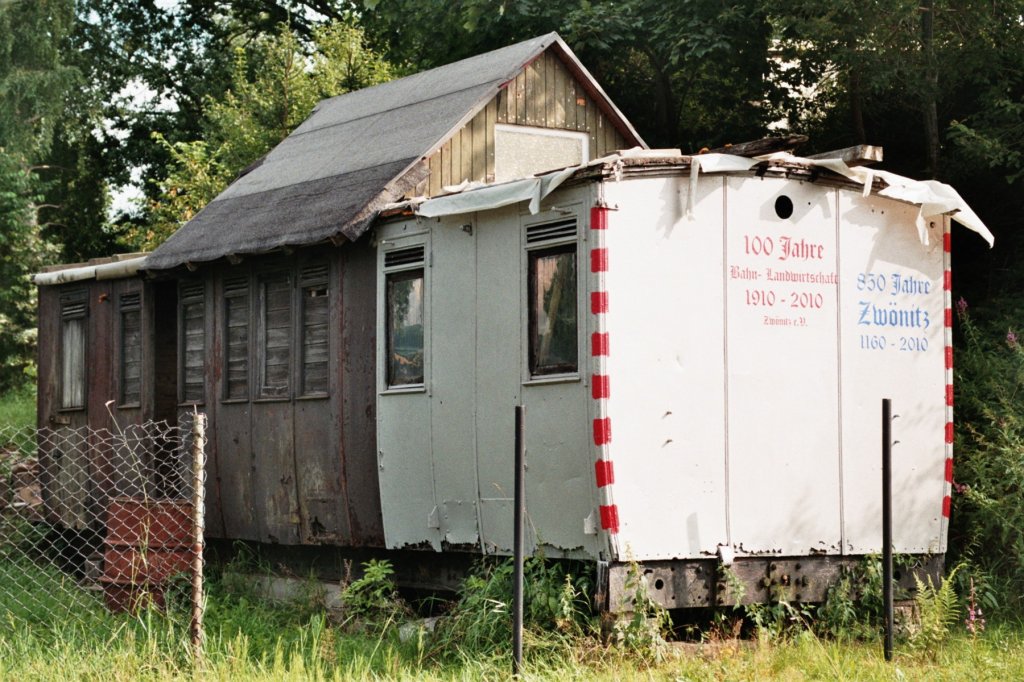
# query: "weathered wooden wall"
[[297, 469], [65, 455], [544, 95]]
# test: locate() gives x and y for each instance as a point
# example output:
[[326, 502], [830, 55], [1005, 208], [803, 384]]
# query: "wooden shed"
[[273, 284], [359, 313]]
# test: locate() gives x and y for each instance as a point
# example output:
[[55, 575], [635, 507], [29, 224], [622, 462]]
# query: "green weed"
[[18, 408]]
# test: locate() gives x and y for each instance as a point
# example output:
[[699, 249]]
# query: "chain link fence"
[[98, 522]]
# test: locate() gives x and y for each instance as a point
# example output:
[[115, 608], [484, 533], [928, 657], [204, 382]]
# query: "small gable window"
[[521, 151]]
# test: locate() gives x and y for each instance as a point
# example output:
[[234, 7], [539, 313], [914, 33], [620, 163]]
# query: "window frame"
[[186, 297], [312, 276], [286, 392], [245, 295], [531, 251], [418, 239], [76, 297], [129, 302]]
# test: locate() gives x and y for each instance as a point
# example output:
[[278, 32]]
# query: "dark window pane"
[[553, 319], [276, 342], [131, 356], [236, 335], [405, 328], [193, 349], [314, 340], [72, 378]]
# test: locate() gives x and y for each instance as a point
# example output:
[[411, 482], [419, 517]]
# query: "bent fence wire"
[[97, 525]]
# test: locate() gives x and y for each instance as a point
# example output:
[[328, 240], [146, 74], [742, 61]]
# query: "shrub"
[[988, 517]]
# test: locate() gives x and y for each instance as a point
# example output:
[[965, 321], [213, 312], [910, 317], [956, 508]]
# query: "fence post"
[[519, 548], [887, 525], [198, 530]]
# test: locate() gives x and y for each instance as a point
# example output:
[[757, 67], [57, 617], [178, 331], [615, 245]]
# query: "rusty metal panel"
[[750, 580], [891, 329], [354, 313], [666, 368]]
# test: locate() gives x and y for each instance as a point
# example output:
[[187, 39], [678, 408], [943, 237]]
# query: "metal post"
[[198, 528], [517, 541], [887, 523]]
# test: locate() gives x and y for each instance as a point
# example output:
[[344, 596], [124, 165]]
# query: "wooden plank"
[[435, 174], [766, 145], [355, 315], [521, 96], [579, 106], [235, 465], [859, 155], [491, 112], [592, 122], [534, 94], [558, 74], [501, 106], [466, 164], [446, 165], [479, 127], [548, 90], [456, 165]]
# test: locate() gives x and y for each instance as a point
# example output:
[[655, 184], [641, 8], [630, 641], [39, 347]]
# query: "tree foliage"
[[275, 83], [34, 82]]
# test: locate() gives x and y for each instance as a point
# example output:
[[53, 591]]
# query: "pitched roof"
[[356, 153]]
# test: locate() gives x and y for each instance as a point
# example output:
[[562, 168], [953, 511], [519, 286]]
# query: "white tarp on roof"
[[112, 270], [934, 198]]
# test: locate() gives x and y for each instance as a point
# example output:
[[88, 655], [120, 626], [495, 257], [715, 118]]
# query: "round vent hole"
[[783, 207]]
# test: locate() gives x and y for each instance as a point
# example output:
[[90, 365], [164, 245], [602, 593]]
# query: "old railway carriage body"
[[700, 343], [702, 357]]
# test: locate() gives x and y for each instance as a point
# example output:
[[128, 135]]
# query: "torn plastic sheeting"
[[114, 270], [713, 163], [934, 198], [529, 189]]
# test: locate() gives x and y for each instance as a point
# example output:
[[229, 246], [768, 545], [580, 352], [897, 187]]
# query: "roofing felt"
[[355, 153]]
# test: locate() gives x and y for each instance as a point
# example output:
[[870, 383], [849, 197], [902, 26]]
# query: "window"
[[73, 310], [521, 151], [236, 339], [552, 299], [193, 341], [315, 312], [131, 350], [275, 339], [404, 311]]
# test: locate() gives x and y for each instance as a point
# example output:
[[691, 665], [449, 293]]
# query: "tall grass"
[[250, 639], [18, 408]]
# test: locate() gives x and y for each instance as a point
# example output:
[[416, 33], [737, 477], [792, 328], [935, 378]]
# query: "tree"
[[275, 83], [33, 85]]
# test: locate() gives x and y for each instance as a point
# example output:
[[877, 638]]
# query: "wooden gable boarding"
[[545, 94]]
